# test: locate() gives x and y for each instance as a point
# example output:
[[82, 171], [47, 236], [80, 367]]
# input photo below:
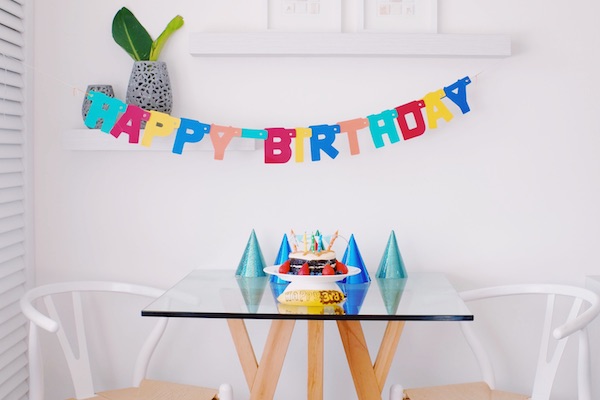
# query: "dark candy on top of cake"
[[313, 267], [298, 262]]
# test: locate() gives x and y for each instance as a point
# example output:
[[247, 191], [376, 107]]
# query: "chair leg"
[[225, 392], [396, 392]]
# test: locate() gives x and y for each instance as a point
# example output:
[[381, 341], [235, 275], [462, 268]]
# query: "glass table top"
[[423, 296]]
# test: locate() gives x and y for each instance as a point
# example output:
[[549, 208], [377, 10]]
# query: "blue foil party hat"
[[282, 256], [252, 289], [352, 258], [355, 296], [391, 265], [252, 262], [278, 288]]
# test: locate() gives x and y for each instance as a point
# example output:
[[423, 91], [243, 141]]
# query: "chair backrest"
[[75, 345], [585, 306]]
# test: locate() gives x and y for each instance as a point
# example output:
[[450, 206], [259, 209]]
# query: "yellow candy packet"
[[333, 309], [307, 297]]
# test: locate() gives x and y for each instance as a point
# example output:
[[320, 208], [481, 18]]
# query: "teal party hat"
[[352, 258], [282, 256], [391, 265], [391, 290], [252, 289], [252, 262]]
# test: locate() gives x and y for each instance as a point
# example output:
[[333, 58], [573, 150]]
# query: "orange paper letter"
[[351, 127], [221, 137]]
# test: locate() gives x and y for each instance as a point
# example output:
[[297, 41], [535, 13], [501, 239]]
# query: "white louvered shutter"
[[14, 200]]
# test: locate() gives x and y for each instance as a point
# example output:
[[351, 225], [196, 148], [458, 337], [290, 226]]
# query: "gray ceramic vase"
[[149, 87]]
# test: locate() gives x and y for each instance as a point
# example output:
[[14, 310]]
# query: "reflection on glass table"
[[220, 294]]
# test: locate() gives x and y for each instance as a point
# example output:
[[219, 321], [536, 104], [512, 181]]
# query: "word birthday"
[[408, 120]]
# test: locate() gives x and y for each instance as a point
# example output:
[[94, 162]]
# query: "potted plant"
[[149, 85]]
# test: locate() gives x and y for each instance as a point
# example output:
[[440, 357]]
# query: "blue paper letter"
[[190, 131], [458, 94], [322, 138]]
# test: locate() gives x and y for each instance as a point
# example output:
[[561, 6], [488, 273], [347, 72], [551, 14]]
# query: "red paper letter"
[[413, 108]]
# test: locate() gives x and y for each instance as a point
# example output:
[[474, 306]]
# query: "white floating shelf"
[[348, 44], [96, 140]]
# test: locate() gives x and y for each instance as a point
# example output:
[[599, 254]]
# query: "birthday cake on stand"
[[312, 272], [314, 259]]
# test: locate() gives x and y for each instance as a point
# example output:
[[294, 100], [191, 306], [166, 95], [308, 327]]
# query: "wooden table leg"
[[387, 350], [315, 360], [262, 378], [239, 333], [272, 359], [359, 360]]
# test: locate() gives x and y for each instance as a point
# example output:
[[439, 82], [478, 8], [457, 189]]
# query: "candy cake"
[[314, 259]]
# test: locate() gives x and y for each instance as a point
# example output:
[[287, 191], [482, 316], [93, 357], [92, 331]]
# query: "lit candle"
[[335, 235], [305, 243], [294, 240]]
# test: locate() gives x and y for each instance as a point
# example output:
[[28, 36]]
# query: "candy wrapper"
[[306, 297]]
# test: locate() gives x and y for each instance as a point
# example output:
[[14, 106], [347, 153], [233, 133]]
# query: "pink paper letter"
[[130, 123], [277, 145]]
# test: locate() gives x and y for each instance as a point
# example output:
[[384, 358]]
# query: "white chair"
[[77, 354], [584, 308]]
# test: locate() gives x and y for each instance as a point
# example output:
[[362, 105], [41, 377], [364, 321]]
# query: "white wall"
[[505, 193]]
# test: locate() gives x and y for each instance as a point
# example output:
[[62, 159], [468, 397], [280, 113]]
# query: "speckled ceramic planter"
[[149, 86]]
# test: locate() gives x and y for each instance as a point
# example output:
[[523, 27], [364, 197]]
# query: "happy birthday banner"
[[119, 118]]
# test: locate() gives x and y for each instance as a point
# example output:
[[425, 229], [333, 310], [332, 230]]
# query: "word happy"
[[407, 120]]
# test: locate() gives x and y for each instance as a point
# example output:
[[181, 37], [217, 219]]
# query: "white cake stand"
[[311, 282]]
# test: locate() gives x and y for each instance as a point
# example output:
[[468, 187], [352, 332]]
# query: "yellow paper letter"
[[435, 108], [301, 134], [159, 124]]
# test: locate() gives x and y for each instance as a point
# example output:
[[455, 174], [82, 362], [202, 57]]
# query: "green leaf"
[[159, 43], [131, 35]]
